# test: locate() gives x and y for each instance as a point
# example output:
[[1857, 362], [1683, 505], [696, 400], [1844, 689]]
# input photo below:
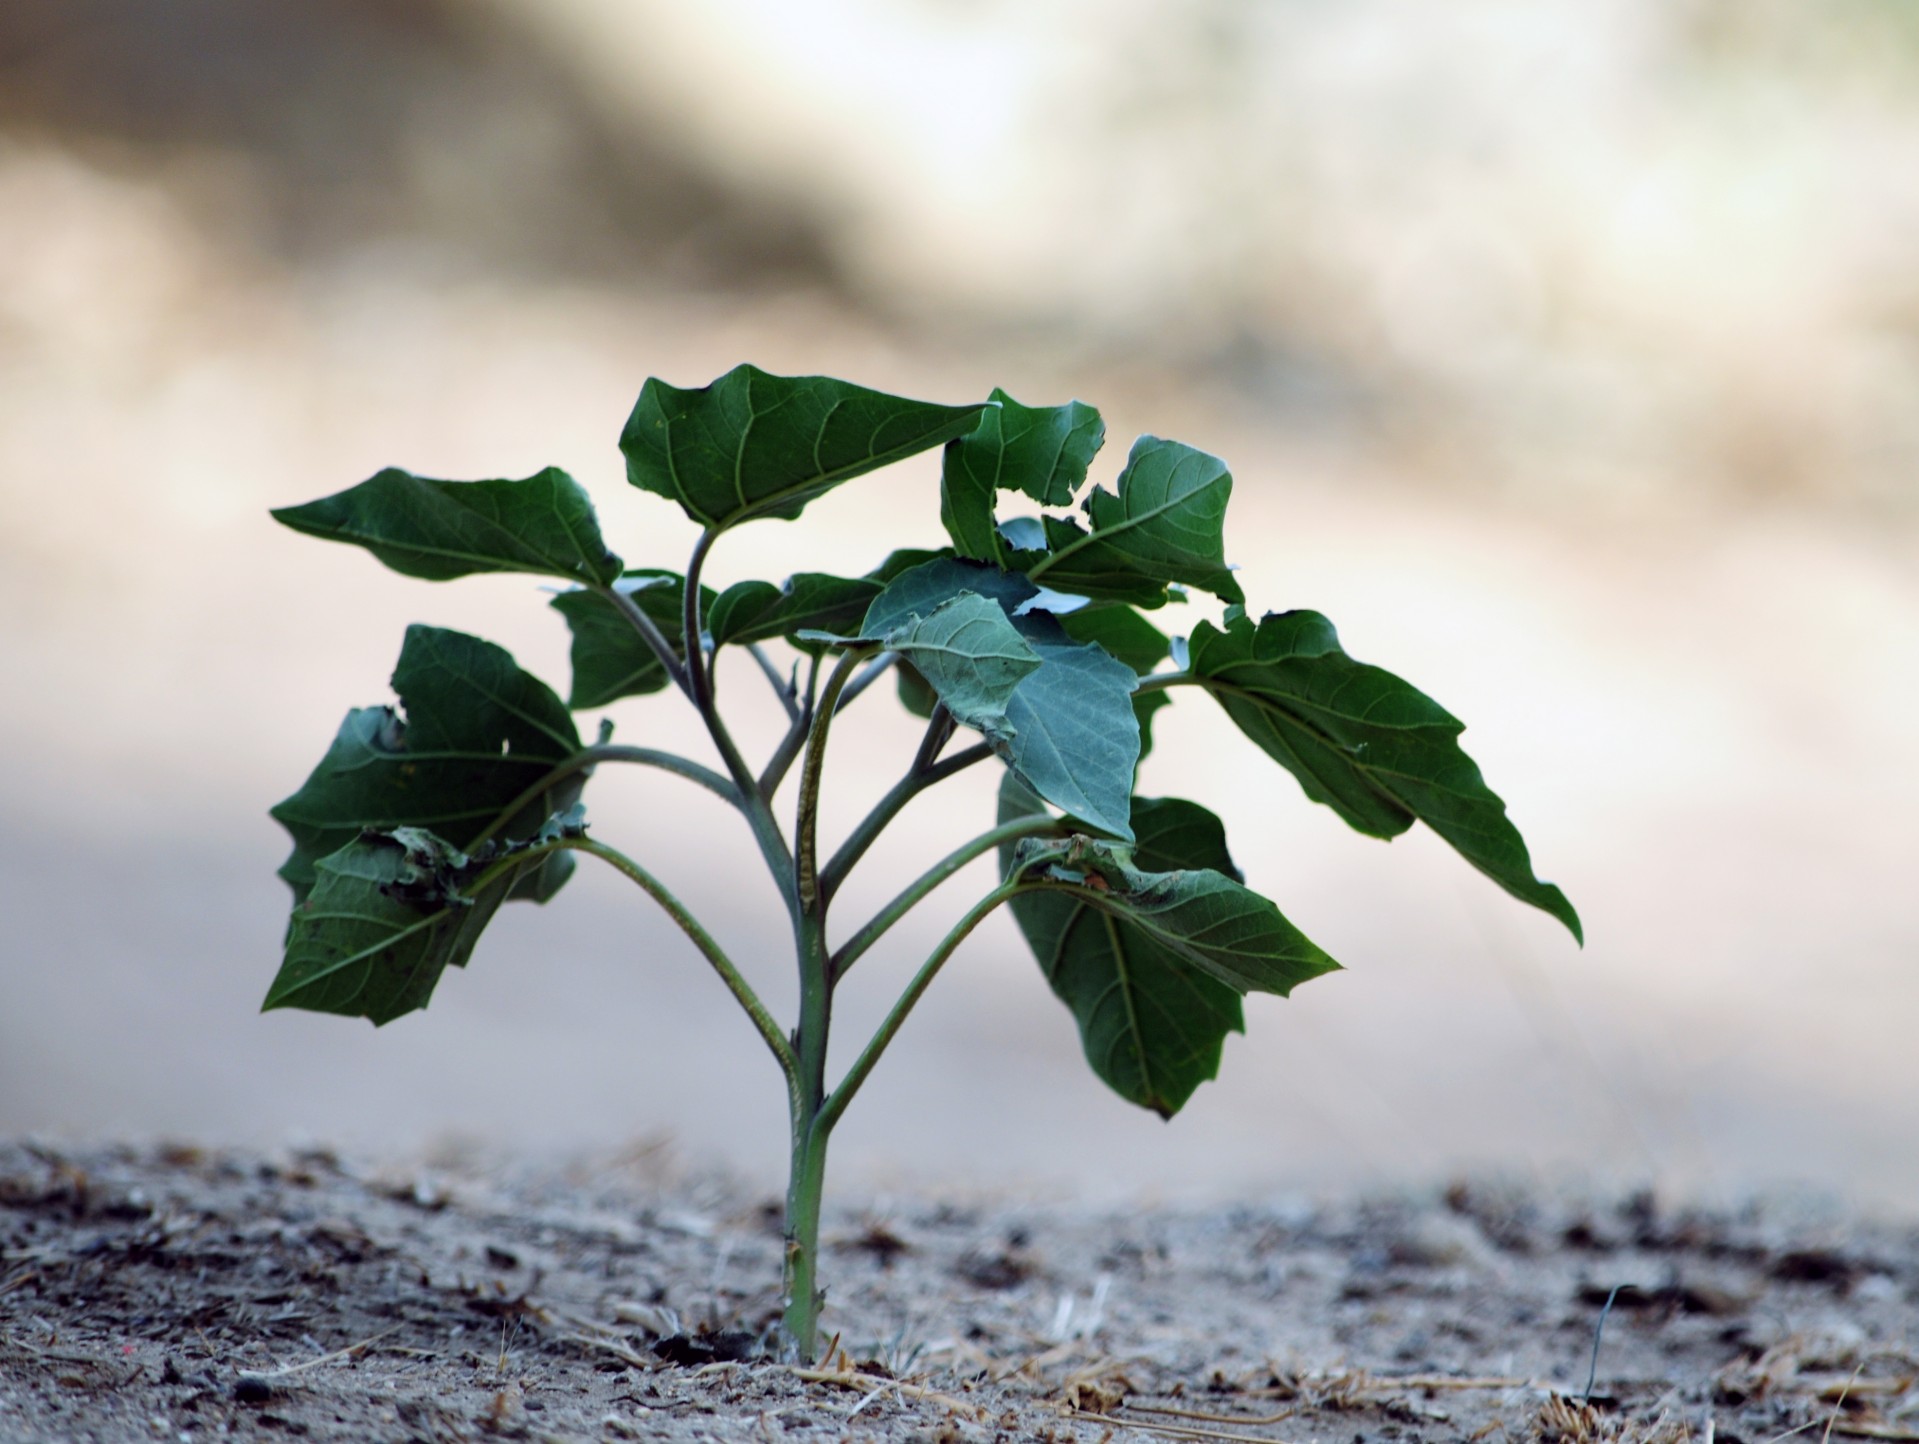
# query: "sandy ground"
[[183, 1294]]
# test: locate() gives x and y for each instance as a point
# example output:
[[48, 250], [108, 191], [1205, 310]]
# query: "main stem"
[[807, 1179]]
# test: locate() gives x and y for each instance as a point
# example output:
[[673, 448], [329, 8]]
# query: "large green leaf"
[[1075, 736], [477, 732], [389, 912], [1375, 749], [919, 591], [968, 653], [610, 659], [1152, 956], [756, 445], [1040, 450], [1166, 524], [1129, 637], [444, 529]]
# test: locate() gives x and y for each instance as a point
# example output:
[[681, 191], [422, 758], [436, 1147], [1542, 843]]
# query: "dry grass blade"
[[867, 1383]]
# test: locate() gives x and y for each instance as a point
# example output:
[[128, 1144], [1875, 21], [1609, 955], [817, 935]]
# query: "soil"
[[188, 1293]]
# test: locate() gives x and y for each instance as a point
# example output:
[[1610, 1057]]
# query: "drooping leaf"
[[476, 734], [389, 912], [1375, 749], [1069, 727], [968, 653], [808, 601], [610, 659], [757, 445], [919, 591], [1075, 736], [1165, 524], [1152, 957], [1042, 451], [443, 529], [1128, 636]]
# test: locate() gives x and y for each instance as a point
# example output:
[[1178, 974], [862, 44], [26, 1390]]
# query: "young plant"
[[1028, 634]]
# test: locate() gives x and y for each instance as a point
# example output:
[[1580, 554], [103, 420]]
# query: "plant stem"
[[917, 779], [801, 1297], [830, 1111], [650, 633], [789, 748], [784, 689], [806, 824], [610, 752], [1036, 824], [741, 990], [867, 678]]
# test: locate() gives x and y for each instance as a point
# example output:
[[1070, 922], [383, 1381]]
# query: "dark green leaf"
[[1043, 451], [477, 733], [1123, 632], [915, 695], [610, 659], [756, 445], [1075, 736], [809, 601], [1376, 750], [389, 912], [444, 529], [1152, 957], [1166, 524]]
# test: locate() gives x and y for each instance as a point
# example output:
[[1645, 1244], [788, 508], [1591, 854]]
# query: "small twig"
[[351, 1351], [1840, 1403], [787, 691], [1599, 1332], [853, 1379], [1252, 1421], [1170, 1431]]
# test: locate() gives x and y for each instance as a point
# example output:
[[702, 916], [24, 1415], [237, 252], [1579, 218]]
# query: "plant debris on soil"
[[181, 1293]]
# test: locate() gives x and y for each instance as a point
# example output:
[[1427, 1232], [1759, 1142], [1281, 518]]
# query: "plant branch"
[[789, 748], [916, 781], [835, 1105], [806, 825], [651, 634], [877, 669], [610, 752], [784, 689], [741, 990], [1036, 824], [699, 678], [1160, 681]]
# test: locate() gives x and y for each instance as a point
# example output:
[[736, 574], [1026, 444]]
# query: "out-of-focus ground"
[[1568, 360]]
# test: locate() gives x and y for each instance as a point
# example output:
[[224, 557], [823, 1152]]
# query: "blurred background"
[[1567, 357]]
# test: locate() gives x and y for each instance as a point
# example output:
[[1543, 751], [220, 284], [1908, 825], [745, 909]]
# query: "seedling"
[[1029, 635]]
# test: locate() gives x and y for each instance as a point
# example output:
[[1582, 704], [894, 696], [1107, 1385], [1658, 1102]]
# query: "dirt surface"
[[180, 1293]]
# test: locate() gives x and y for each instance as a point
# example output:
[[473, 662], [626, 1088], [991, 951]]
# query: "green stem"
[[789, 748], [741, 990], [1034, 825], [1160, 681], [835, 1105], [916, 781], [785, 690], [651, 634], [610, 752], [801, 1297], [806, 824]]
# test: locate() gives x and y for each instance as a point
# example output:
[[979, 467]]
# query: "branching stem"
[[610, 752], [835, 1105], [916, 781], [1037, 824]]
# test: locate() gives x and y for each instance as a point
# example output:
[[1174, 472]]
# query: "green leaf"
[[968, 653], [477, 732], [1152, 956], [389, 912], [1166, 524], [809, 601], [756, 445], [920, 590], [1130, 638], [1040, 450], [444, 529], [1375, 749], [1075, 737], [1069, 727], [610, 659]]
